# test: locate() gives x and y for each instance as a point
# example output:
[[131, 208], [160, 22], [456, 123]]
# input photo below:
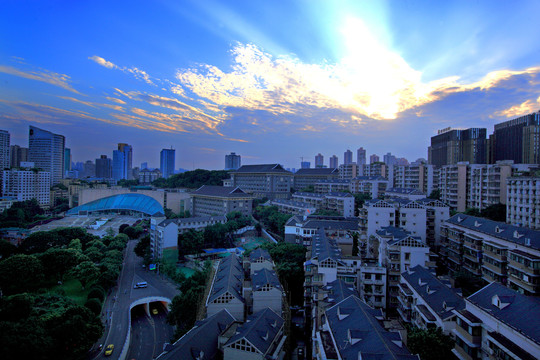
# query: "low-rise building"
[[305, 178], [199, 222], [163, 235], [342, 203], [211, 200], [300, 230], [498, 323], [147, 176], [265, 180], [266, 291], [259, 259], [294, 207], [404, 193], [226, 292], [333, 185]]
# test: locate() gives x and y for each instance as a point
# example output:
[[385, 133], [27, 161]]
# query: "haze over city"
[[271, 81]]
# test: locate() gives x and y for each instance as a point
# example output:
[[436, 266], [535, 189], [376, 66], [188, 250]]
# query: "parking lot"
[[113, 222]]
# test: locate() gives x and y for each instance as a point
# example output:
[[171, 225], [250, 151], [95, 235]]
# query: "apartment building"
[[415, 176], [375, 186], [25, 185], [333, 185], [404, 193], [258, 259], [294, 207], [265, 291], [163, 235], [342, 203], [305, 178], [498, 323], [453, 185], [523, 201], [299, 230], [426, 301], [219, 200], [198, 223], [373, 284], [374, 169], [399, 251], [348, 171], [493, 250], [264, 180]]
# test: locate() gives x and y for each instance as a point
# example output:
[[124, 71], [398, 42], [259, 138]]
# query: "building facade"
[[17, 155], [46, 151], [218, 200], [451, 146], [26, 185], [5, 157], [265, 180], [104, 167], [517, 139], [233, 161], [167, 162]]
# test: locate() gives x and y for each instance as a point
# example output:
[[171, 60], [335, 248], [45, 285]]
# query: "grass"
[[170, 257], [72, 289]]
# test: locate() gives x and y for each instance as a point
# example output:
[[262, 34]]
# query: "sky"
[[273, 81]]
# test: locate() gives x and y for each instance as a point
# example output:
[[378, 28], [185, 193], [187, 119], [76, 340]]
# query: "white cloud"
[[101, 61], [45, 76]]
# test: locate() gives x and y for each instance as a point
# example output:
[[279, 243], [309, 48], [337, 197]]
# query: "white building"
[[26, 185], [163, 235], [523, 201], [372, 185]]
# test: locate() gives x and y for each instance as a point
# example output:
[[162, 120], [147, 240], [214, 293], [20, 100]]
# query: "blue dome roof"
[[134, 202]]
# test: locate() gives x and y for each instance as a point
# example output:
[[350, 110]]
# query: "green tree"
[[86, 272], [495, 212], [143, 247], [57, 262], [355, 237], [20, 273], [430, 344], [435, 194]]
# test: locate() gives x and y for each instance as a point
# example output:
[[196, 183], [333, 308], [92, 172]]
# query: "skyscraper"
[[18, 154], [305, 165], [118, 165], [46, 151], [333, 163], [347, 157], [167, 161], [128, 160], [361, 156], [518, 140], [389, 159], [4, 150], [67, 160], [233, 161], [451, 146], [319, 161], [104, 167]]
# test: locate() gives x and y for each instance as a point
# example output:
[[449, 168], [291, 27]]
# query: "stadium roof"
[[134, 202]]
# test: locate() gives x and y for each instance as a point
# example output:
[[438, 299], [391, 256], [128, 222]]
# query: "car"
[[154, 311], [109, 349]]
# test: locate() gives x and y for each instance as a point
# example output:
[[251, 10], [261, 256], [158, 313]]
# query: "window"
[[407, 256]]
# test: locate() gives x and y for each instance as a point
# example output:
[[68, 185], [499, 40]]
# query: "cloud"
[[101, 61], [526, 107], [45, 76], [119, 101]]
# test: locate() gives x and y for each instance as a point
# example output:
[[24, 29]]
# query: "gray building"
[[17, 155], [347, 157], [333, 162], [304, 178], [264, 180], [167, 161], [219, 200], [226, 292], [104, 167], [319, 160], [46, 151], [451, 146], [361, 156], [233, 161], [4, 150]]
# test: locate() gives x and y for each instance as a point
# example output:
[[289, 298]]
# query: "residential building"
[[201, 342], [426, 301], [46, 151], [398, 252], [374, 159], [326, 297], [167, 162], [523, 201], [374, 169], [319, 160], [451, 146], [265, 180], [493, 250], [104, 167], [5, 158], [342, 203], [300, 230], [453, 186], [417, 176], [163, 235], [352, 330], [404, 193], [218, 200], [259, 259], [333, 162], [294, 207], [26, 185], [361, 156], [18, 154], [305, 165], [517, 140], [498, 323], [147, 176], [266, 291], [89, 169], [305, 177], [332, 185], [389, 159], [233, 161], [199, 222], [348, 171], [373, 284], [261, 337], [375, 186], [226, 292], [347, 157]]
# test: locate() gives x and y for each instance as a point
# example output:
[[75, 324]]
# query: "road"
[[148, 333], [117, 306]]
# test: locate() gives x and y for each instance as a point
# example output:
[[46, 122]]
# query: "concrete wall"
[[267, 299]]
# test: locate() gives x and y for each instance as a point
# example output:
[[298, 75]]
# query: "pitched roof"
[[202, 338], [317, 171], [334, 181], [337, 291], [201, 219], [265, 277], [229, 277], [518, 235], [221, 191], [358, 334], [323, 248], [262, 168], [520, 312], [259, 253], [440, 298], [260, 330], [405, 191]]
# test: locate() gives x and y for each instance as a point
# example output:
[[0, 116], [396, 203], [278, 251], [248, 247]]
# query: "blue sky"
[[273, 81]]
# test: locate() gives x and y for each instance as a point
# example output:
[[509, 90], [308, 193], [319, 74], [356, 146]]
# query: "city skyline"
[[220, 78]]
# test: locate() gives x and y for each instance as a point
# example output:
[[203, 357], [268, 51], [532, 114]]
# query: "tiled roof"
[[323, 248], [317, 171], [358, 334], [262, 168], [221, 191], [203, 337], [405, 191], [264, 277], [522, 313], [201, 219], [259, 253], [518, 235], [334, 181], [229, 278], [338, 290], [440, 298], [260, 330]]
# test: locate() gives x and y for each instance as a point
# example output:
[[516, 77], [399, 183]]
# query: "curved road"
[[149, 334], [117, 306]]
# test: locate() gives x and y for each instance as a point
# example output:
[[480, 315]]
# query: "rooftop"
[[265, 277], [134, 202], [317, 171], [220, 191], [229, 277], [262, 168]]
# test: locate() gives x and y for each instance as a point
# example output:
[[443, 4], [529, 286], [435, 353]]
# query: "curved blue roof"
[[134, 202]]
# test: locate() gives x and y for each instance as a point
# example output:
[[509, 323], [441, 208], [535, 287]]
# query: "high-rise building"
[[26, 185], [319, 161], [18, 154], [144, 165], [89, 169], [347, 157], [373, 159], [128, 159], [305, 165], [451, 146], [104, 167], [518, 140], [333, 162], [46, 151], [389, 159], [233, 161], [166, 162], [67, 160], [4, 150], [118, 165], [361, 156]]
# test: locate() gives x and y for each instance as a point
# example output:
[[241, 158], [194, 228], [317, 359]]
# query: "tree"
[[86, 272], [143, 247], [7, 249], [359, 200], [57, 262], [430, 344], [495, 212], [20, 273], [435, 194], [355, 237]]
